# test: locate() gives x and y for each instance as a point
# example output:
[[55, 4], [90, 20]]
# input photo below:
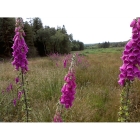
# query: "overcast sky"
[[90, 21]]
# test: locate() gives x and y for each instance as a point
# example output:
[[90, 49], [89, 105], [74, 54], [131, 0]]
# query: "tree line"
[[41, 40], [106, 44]]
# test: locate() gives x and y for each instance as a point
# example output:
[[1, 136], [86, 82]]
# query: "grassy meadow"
[[98, 93]]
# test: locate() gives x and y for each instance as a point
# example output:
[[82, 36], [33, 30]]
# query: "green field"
[[98, 92], [103, 50]]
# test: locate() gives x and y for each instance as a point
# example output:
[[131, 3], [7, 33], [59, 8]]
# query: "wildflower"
[[133, 23], [14, 102], [69, 88], [19, 95], [131, 56], [20, 48], [65, 63], [16, 80]]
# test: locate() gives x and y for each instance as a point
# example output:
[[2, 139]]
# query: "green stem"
[[125, 104], [25, 98], [127, 92]]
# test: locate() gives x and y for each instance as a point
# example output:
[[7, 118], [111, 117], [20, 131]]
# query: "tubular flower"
[[20, 48], [65, 63], [131, 56], [16, 80], [14, 102], [19, 95], [69, 88]]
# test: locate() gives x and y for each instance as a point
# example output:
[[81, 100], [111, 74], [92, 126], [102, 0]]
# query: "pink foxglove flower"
[[16, 80], [65, 63], [19, 95], [69, 88], [20, 48], [14, 102], [133, 23], [131, 56]]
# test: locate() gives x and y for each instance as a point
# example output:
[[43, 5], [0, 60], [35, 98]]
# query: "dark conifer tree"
[[7, 27], [29, 40]]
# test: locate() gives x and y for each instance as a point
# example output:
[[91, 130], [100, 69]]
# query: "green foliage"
[[42, 37], [37, 24], [97, 95], [77, 46], [125, 103], [7, 26], [49, 41], [9, 112], [29, 40], [41, 40], [118, 44], [102, 50], [104, 45]]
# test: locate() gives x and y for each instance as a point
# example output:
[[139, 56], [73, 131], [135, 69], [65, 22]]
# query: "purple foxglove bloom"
[[63, 88], [134, 30], [138, 26], [17, 80], [121, 81], [131, 56], [133, 23], [128, 47], [126, 61], [129, 43], [136, 71], [11, 87], [126, 52], [122, 75], [129, 68], [134, 44], [20, 49], [7, 89], [130, 76], [138, 57], [19, 95], [139, 34], [65, 63], [136, 51], [14, 102], [138, 44], [138, 20], [68, 90], [123, 57], [135, 37]]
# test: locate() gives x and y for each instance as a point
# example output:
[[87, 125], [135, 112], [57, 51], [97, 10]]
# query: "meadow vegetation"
[[97, 96]]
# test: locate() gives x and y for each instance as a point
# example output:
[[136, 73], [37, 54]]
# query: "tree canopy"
[[41, 40]]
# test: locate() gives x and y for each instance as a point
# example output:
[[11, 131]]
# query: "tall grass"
[[98, 93]]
